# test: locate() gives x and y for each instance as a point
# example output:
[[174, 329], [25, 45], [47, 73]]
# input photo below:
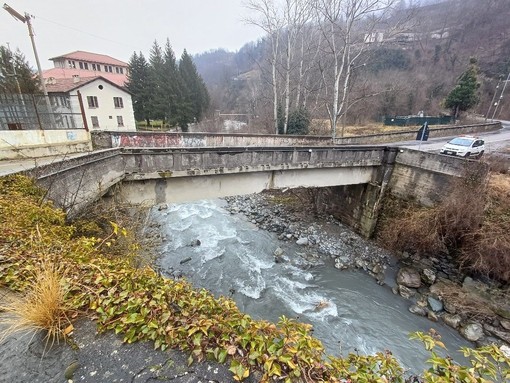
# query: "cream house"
[[104, 104]]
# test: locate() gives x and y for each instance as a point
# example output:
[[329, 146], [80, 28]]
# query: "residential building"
[[105, 104], [88, 64]]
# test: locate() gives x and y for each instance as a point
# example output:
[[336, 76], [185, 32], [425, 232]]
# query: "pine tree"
[[195, 100], [172, 85], [14, 66], [138, 85], [464, 96], [158, 105]]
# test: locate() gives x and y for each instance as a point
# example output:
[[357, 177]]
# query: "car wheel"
[[480, 154], [468, 154]]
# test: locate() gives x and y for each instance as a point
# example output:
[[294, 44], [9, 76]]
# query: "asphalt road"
[[496, 141]]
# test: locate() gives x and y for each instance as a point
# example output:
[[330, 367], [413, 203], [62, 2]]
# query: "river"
[[236, 259]]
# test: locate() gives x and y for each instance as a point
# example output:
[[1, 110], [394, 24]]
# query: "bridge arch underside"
[[184, 189]]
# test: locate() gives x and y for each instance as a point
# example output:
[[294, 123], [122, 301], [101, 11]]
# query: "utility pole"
[[501, 96], [25, 19]]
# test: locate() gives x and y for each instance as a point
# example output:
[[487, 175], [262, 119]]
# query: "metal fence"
[[35, 111]]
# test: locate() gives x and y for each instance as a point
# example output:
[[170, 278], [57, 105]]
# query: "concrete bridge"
[[360, 174]]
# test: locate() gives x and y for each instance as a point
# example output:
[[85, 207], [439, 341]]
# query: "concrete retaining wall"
[[75, 183], [16, 144], [421, 177]]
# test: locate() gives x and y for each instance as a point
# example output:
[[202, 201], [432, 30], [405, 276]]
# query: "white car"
[[464, 146]]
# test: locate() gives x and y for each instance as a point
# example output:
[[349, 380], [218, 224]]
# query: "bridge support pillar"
[[359, 206]]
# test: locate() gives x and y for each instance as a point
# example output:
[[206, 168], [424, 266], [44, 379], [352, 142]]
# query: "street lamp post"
[[26, 20]]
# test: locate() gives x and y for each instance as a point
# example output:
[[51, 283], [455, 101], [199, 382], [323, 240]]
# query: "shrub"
[[472, 222]]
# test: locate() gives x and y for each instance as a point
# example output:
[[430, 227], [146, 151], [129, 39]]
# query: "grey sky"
[[117, 28]]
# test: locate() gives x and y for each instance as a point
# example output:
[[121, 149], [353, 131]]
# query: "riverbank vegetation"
[[471, 224], [139, 304]]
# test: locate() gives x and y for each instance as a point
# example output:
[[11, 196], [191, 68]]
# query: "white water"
[[236, 258]]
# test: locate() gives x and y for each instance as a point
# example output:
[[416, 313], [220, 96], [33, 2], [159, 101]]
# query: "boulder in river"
[[415, 309], [409, 277], [406, 292], [302, 241], [429, 276], [452, 320], [435, 304], [472, 331], [195, 242]]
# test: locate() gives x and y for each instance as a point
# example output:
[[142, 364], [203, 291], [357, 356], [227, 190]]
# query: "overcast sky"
[[117, 28]]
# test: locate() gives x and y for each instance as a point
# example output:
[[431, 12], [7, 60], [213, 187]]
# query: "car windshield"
[[461, 141]]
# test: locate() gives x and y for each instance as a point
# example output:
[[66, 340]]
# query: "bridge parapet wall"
[[104, 140]]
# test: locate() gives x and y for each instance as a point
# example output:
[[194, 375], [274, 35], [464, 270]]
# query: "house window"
[[92, 101], [95, 121], [119, 70], [118, 103], [86, 66], [108, 68], [72, 64], [81, 65], [120, 121], [96, 67]]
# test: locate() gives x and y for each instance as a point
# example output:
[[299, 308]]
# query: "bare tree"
[[297, 14], [270, 20], [345, 25]]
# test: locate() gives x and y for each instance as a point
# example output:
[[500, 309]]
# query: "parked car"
[[464, 146]]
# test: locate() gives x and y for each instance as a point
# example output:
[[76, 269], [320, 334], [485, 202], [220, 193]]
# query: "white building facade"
[[105, 105]]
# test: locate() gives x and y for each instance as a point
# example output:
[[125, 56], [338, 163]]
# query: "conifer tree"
[[138, 85], [14, 66], [172, 85], [195, 100], [158, 105], [464, 96]]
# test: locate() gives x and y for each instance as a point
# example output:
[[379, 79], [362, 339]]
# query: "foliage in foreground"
[[141, 305]]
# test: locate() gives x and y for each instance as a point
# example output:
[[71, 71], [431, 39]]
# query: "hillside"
[[414, 60]]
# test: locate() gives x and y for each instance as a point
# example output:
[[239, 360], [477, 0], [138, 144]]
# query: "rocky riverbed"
[[435, 288]]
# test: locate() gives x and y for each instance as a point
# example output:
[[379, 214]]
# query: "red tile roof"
[[67, 73], [91, 57], [64, 85]]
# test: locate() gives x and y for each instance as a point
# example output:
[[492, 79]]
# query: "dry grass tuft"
[[487, 249], [498, 163], [42, 308]]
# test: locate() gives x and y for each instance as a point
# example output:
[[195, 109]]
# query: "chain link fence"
[[35, 111]]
